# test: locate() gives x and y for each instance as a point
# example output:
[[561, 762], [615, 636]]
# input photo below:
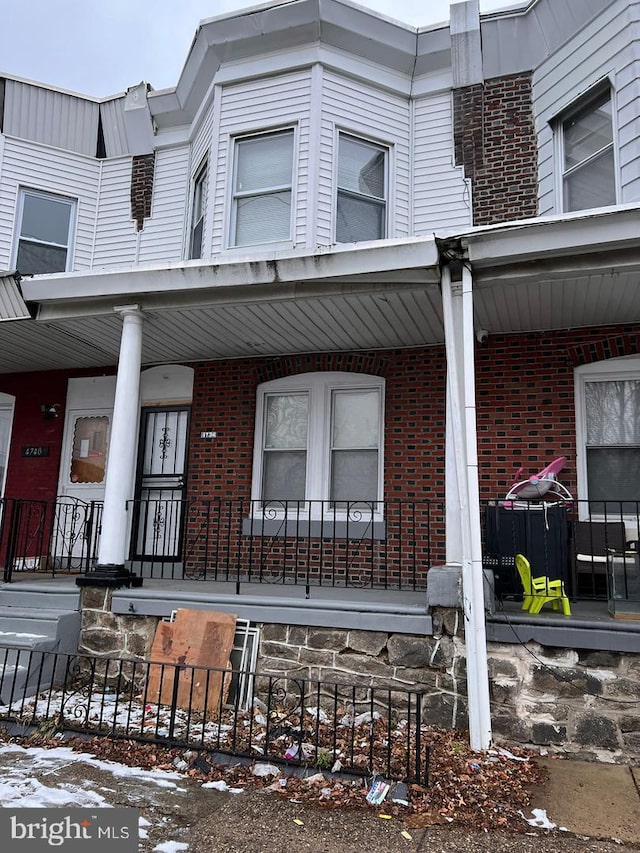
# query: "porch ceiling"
[[570, 272]]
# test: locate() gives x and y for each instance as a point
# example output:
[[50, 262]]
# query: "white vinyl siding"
[[26, 164], [162, 237], [255, 107], [441, 196], [603, 50], [116, 238], [358, 109]]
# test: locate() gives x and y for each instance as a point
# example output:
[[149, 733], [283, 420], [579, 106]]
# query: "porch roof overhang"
[[532, 275], [366, 296]]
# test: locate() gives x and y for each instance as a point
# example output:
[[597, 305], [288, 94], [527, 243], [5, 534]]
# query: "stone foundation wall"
[[105, 633], [582, 703], [562, 700]]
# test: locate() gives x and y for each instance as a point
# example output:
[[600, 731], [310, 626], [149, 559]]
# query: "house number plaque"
[[36, 450]]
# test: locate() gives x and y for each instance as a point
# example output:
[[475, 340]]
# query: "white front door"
[[85, 456]]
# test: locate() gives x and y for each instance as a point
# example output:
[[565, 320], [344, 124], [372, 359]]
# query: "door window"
[[89, 453]]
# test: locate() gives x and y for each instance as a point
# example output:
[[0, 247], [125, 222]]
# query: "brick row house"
[[279, 341]]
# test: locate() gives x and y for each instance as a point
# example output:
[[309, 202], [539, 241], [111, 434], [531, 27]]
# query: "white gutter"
[[463, 413], [374, 259]]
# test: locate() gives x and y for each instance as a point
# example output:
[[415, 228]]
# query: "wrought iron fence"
[[58, 536], [382, 544], [590, 545], [282, 719]]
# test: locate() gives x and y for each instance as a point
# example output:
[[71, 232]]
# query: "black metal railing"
[[383, 544], [281, 719], [590, 545], [58, 536]]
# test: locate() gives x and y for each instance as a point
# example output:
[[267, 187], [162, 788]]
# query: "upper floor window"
[[197, 212], [262, 189], [361, 209], [45, 226], [319, 437], [588, 167]]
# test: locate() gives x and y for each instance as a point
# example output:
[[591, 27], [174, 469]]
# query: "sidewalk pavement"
[[593, 799]]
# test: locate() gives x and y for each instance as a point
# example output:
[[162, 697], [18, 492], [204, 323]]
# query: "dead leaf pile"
[[485, 790]]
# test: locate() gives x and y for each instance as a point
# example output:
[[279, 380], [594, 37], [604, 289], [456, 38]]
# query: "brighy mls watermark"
[[69, 830]]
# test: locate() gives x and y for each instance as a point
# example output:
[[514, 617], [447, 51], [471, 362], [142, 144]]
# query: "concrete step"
[[52, 596], [36, 620], [21, 620], [27, 671]]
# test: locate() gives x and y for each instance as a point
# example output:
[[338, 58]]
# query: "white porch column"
[[464, 547], [120, 475]]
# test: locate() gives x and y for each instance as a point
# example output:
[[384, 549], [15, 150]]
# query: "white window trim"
[[389, 167], [609, 370], [232, 143], [319, 386], [202, 172], [576, 106], [7, 404], [24, 191]]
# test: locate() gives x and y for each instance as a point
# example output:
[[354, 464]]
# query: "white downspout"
[[462, 410]]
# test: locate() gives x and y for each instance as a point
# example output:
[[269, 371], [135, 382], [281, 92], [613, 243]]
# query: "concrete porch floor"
[[589, 627]]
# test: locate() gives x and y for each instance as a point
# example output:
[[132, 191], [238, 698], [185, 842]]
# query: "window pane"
[[358, 220], [354, 475], [264, 162], [286, 421], [361, 167], [356, 418], [588, 132], [6, 417], [284, 475], [36, 258], [89, 450], [613, 474], [195, 252], [613, 412], [45, 219], [264, 218], [592, 185]]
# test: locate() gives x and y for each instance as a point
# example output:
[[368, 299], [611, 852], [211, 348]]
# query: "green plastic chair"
[[541, 590]]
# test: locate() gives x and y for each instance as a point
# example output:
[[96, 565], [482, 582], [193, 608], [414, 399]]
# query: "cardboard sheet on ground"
[[201, 641]]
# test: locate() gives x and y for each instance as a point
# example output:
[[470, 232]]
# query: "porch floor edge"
[[401, 616]]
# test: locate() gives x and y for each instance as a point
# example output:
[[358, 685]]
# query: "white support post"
[[120, 473], [457, 303]]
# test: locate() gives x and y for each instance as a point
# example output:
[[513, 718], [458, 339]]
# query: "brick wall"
[[142, 172], [525, 410], [525, 398], [225, 399], [495, 141]]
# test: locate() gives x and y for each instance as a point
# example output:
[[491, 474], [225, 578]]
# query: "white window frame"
[[372, 143], [581, 106], [199, 191], [319, 387], [234, 142], [609, 370], [7, 404], [23, 192]]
